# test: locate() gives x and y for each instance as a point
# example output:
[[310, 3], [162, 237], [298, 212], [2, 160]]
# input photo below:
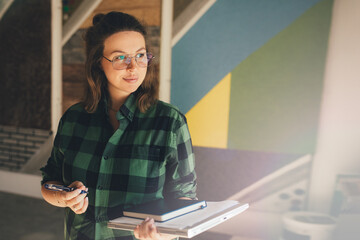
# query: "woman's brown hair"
[[103, 27]]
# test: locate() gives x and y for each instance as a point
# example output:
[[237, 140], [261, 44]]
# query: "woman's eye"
[[121, 57], [140, 55]]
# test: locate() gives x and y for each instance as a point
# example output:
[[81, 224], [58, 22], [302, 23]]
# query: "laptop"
[[191, 224], [162, 210]]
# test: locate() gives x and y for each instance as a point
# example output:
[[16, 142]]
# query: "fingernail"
[[147, 219]]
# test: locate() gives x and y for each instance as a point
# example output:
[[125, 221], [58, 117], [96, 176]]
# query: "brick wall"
[[17, 145], [25, 65]]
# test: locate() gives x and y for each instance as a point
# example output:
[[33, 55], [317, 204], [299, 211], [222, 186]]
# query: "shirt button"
[[106, 157], [100, 187]]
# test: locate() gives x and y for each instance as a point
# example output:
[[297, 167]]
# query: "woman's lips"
[[131, 79]]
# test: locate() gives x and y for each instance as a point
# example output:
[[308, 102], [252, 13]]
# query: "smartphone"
[[55, 187]]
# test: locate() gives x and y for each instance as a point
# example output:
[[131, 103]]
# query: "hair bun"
[[97, 18]]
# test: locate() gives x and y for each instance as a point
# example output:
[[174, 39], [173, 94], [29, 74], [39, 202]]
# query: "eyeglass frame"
[[149, 57]]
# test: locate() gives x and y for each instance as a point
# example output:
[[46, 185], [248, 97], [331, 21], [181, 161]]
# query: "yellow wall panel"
[[208, 120]]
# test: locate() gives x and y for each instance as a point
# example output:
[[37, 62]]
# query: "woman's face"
[[119, 46]]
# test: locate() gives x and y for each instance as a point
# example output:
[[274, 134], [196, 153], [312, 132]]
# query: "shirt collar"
[[129, 107], [126, 110]]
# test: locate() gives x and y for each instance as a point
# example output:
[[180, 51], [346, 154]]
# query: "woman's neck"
[[117, 100]]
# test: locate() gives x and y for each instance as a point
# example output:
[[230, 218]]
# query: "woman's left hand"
[[147, 231]]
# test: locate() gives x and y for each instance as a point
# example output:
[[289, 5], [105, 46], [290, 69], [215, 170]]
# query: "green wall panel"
[[276, 92]]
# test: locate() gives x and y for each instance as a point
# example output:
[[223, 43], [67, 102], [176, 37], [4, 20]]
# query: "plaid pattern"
[[148, 157]]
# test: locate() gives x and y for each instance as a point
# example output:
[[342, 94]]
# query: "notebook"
[[163, 210], [191, 224]]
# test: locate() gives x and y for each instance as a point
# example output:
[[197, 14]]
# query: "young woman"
[[121, 144]]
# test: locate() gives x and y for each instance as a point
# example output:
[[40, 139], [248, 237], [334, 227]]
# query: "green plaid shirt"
[[148, 157]]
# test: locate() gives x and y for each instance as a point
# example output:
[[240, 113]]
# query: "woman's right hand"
[[78, 202]]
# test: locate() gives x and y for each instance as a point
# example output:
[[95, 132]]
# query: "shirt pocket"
[[146, 169]]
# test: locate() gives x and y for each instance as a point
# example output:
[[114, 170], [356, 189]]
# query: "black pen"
[[55, 187]]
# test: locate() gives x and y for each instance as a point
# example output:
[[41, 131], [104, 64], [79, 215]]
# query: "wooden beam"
[[189, 17], [56, 64], [165, 49], [4, 6], [78, 17]]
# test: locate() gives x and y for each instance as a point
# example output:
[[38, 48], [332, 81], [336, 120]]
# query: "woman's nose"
[[132, 63]]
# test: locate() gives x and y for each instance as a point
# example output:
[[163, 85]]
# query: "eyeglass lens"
[[122, 61]]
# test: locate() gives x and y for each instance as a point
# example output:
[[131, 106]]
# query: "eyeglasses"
[[122, 61]]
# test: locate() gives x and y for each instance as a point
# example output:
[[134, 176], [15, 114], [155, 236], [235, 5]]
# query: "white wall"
[[338, 145], [20, 183]]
